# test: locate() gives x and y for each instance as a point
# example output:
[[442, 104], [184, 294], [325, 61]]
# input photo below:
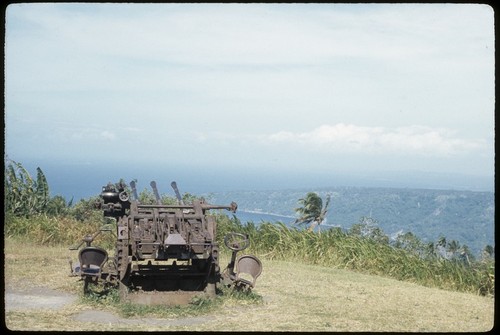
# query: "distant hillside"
[[465, 216]]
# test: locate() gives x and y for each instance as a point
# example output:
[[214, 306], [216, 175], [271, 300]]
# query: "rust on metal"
[[164, 254]]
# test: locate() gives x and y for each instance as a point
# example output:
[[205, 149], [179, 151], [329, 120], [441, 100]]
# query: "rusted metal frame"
[[181, 224], [158, 227], [195, 229], [203, 206]]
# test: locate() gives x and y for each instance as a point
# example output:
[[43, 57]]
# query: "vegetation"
[[465, 216], [24, 196], [198, 306], [312, 211], [31, 214], [369, 253]]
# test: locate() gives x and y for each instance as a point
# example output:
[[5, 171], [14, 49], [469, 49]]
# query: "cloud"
[[349, 138], [80, 134]]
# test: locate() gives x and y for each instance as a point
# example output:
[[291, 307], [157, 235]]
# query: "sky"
[[263, 95]]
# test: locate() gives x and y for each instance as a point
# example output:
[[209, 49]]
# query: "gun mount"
[[162, 248]]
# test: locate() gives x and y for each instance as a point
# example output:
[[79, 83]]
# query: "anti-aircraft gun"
[[163, 248]]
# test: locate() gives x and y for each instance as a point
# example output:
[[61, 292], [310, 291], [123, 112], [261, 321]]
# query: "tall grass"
[[51, 230], [339, 249]]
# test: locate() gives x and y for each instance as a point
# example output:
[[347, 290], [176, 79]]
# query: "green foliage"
[[368, 227], [57, 206], [230, 295], [312, 211], [465, 216], [86, 210], [23, 195], [311, 207], [370, 253], [147, 197], [42, 190], [199, 305], [50, 230], [101, 296]]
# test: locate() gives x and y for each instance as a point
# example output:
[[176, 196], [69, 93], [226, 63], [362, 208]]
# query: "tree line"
[[312, 212]]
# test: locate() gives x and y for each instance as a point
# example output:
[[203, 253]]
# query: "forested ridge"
[[465, 216]]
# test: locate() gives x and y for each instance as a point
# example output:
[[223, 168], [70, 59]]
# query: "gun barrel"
[[134, 190], [177, 193], [155, 190]]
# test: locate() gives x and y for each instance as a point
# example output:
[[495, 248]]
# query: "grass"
[[290, 296], [335, 248], [199, 305]]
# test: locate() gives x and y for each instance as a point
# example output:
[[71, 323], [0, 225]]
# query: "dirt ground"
[[25, 299], [36, 298]]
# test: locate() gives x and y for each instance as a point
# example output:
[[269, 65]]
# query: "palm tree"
[[441, 247], [453, 247], [312, 211], [488, 252], [466, 254], [430, 250]]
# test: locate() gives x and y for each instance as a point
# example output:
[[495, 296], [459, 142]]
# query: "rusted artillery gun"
[[161, 249]]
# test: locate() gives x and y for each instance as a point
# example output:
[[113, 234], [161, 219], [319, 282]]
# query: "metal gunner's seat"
[[248, 269]]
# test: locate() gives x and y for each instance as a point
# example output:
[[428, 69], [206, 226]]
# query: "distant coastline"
[[266, 213], [259, 216]]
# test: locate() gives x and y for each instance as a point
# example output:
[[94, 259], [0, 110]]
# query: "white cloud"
[[411, 140]]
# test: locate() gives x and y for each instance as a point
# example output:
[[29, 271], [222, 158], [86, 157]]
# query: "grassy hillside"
[[295, 297]]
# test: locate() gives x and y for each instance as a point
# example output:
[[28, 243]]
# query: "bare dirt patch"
[[36, 298], [40, 298]]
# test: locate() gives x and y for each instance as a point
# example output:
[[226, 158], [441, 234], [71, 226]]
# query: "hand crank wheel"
[[236, 241]]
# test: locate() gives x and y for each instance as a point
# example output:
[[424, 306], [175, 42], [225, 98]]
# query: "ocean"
[[257, 217]]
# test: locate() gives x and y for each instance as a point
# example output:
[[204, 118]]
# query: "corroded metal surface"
[[166, 253]]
